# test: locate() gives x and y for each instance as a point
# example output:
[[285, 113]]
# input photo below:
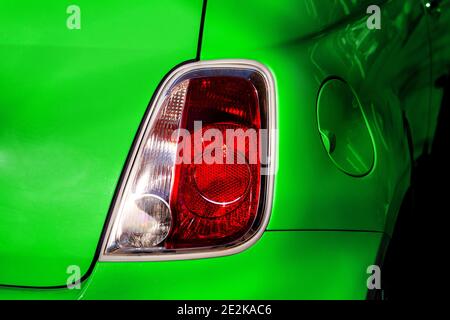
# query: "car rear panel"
[[281, 265], [71, 102], [310, 191], [300, 42]]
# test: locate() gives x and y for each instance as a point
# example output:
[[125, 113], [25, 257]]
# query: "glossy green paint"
[[282, 265], [71, 102], [114, 72], [311, 192]]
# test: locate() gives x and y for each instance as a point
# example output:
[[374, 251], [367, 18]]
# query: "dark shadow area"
[[415, 262]]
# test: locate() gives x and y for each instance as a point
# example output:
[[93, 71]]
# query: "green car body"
[[72, 102]]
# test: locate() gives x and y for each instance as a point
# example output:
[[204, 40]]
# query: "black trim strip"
[[200, 34]]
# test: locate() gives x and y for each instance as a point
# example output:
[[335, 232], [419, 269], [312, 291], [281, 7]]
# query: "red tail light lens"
[[215, 203], [201, 180]]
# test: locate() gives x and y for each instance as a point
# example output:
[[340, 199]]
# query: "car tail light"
[[200, 177]]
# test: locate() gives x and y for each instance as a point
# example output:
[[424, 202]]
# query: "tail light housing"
[[199, 180]]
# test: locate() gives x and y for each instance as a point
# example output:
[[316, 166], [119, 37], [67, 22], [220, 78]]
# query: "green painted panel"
[[281, 265], [383, 66], [70, 104]]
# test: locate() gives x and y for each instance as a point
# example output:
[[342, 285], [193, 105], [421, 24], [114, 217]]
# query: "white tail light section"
[[200, 178]]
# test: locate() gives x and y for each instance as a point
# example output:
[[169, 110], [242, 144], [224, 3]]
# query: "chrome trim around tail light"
[[266, 198]]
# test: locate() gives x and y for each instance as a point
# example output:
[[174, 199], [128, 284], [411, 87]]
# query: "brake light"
[[202, 173]]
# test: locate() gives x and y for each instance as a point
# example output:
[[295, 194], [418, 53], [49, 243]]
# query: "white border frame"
[[159, 98]]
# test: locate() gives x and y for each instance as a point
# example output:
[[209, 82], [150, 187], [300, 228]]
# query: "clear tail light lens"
[[199, 180]]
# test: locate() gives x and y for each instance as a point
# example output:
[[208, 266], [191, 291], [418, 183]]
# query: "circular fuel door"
[[344, 129]]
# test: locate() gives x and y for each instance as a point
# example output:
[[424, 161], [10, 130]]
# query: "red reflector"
[[222, 183], [217, 203]]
